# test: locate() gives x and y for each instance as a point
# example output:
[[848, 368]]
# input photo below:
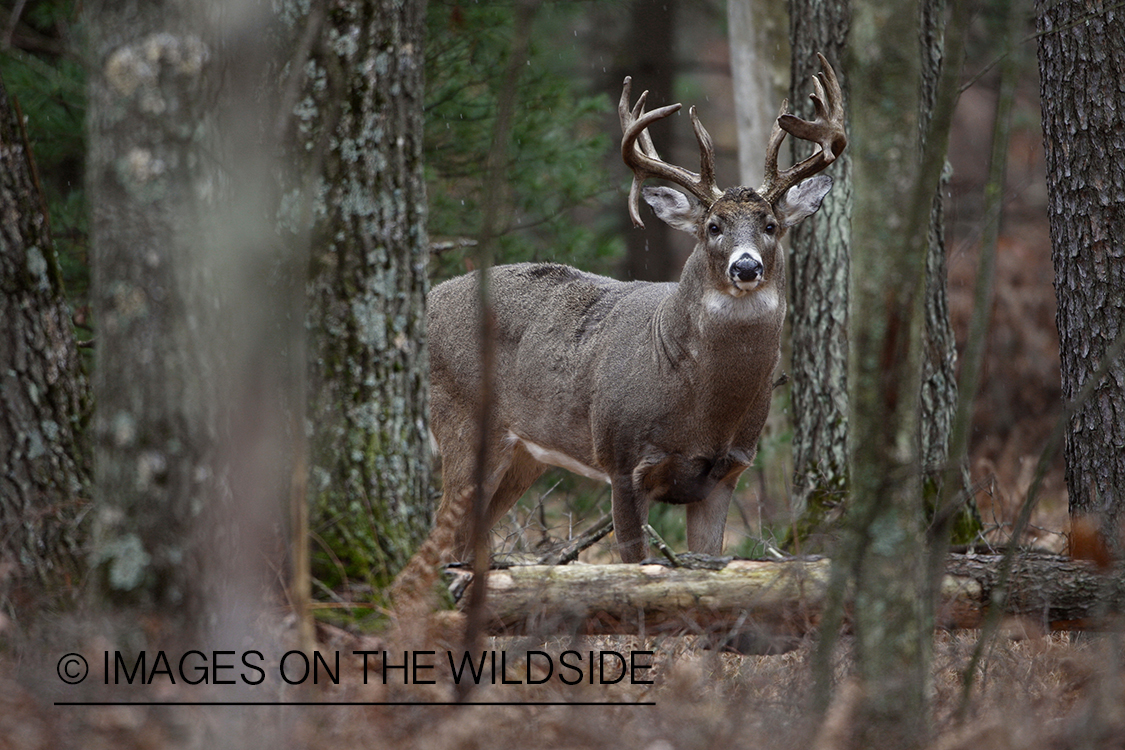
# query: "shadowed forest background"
[[246, 205], [563, 166]]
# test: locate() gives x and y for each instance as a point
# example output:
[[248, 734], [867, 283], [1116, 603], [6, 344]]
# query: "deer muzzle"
[[746, 271]]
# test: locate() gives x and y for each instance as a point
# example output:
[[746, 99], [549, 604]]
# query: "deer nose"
[[746, 268]]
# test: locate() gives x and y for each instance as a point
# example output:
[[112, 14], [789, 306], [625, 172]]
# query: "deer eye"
[[771, 228], [714, 229]]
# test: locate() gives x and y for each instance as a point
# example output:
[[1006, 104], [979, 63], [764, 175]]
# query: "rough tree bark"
[[1082, 69], [939, 378], [43, 389], [818, 285], [369, 471]]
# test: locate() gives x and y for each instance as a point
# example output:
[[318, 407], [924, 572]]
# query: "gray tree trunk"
[[939, 377], [900, 138], [193, 331], [1081, 66], [818, 288], [889, 246], [155, 380], [369, 465], [45, 485], [818, 284], [759, 54], [759, 66]]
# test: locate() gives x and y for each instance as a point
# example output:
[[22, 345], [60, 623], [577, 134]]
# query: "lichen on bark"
[[368, 391], [44, 400]]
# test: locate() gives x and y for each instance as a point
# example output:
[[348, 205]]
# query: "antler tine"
[[706, 160], [640, 155], [645, 138], [777, 135], [827, 130]]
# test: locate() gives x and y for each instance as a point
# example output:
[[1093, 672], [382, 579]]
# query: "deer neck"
[[716, 331]]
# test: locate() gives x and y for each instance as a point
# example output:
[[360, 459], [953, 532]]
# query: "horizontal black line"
[[354, 703]]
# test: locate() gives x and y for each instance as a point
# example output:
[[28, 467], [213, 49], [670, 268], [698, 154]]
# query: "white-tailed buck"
[[660, 389]]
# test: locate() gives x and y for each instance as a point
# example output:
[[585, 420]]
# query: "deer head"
[[784, 198]]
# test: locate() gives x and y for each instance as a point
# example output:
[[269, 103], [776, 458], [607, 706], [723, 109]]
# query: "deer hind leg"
[[522, 471], [509, 472]]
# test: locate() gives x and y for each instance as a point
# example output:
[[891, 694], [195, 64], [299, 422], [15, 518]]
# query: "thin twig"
[[978, 325], [1031, 38], [521, 40], [662, 545], [999, 594], [952, 494], [13, 21]]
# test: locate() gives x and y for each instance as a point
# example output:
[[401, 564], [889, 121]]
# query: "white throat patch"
[[747, 306]]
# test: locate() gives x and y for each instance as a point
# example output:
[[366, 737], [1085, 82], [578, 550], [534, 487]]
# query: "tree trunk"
[[1081, 66], [369, 470], [758, 53], [155, 379], [939, 378], [759, 67], [651, 51], [818, 290], [818, 286], [43, 390], [897, 171], [889, 242], [192, 300]]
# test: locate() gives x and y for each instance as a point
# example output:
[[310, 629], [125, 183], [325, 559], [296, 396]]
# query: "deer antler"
[[641, 157], [827, 130]]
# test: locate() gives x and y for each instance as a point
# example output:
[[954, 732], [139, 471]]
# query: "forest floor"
[[1044, 691]]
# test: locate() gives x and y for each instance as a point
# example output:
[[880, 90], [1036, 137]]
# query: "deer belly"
[[679, 480], [556, 458]]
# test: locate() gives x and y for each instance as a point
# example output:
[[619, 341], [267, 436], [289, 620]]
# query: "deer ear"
[[674, 208], [802, 200]]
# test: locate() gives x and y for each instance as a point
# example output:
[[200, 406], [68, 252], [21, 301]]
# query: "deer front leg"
[[707, 518], [630, 511]]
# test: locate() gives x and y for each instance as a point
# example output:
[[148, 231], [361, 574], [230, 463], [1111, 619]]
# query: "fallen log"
[[1052, 591], [779, 601]]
